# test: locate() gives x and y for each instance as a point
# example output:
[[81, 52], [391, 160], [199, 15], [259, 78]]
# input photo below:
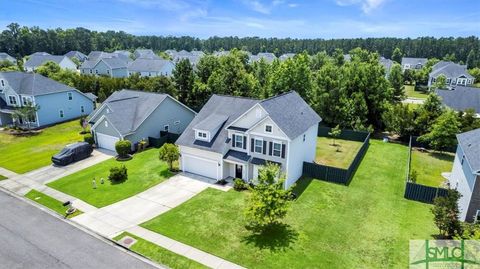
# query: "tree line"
[[20, 41]]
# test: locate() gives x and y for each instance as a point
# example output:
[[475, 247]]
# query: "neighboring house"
[[221, 53], [232, 137], [193, 56], [145, 53], [77, 55], [92, 97], [135, 116], [111, 67], [285, 56], [267, 56], [151, 67], [39, 53], [461, 98], [413, 63], [58, 102], [455, 74], [125, 53], [171, 53], [387, 64], [36, 61], [465, 176], [6, 57]]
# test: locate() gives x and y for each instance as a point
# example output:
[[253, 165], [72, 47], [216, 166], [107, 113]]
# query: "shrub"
[[239, 185], [123, 147], [89, 139], [118, 174], [169, 153]]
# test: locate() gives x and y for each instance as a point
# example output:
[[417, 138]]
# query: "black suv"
[[72, 153]]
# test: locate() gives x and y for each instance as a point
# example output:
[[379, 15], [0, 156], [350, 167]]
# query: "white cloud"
[[366, 5], [266, 7], [292, 5]]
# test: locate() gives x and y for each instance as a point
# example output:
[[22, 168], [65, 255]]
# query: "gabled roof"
[[144, 53], [461, 98], [148, 65], [450, 70], [130, 108], [123, 52], [91, 96], [414, 61], [38, 60], [470, 143], [286, 56], [289, 112], [33, 84], [41, 53], [88, 64], [114, 63], [211, 123], [267, 56], [387, 63], [5, 57], [76, 54]]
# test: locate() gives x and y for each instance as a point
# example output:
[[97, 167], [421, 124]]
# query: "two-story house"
[[37, 60], [465, 176], [413, 63], [57, 102], [455, 74], [146, 67], [77, 55], [111, 67], [235, 136]]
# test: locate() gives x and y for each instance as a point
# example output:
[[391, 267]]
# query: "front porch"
[[241, 165]]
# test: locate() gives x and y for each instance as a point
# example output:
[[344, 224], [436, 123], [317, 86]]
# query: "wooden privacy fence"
[[415, 191], [335, 174]]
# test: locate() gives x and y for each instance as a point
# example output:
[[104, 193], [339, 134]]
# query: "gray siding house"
[[151, 67], [37, 60], [136, 116], [57, 102], [267, 56], [455, 74], [413, 63], [232, 137], [465, 175], [111, 67], [77, 55]]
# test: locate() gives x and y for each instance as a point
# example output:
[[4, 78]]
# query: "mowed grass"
[[145, 170], [50, 202], [410, 92], [2, 177], [327, 153], [160, 255], [22, 154], [365, 225], [430, 166]]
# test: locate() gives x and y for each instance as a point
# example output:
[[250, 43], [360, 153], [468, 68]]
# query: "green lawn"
[[327, 153], [160, 255], [21, 154], [365, 225], [2, 177], [410, 92], [50, 202], [430, 166], [144, 171]]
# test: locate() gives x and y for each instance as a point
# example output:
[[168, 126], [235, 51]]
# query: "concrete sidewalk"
[[111, 220], [7, 173]]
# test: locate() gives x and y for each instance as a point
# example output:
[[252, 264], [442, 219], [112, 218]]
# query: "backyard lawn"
[[21, 154], [145, 170], [2, 177], [161, 255], [430, 166], [50, 202], [327, 153], [410, 92], [365, 225]]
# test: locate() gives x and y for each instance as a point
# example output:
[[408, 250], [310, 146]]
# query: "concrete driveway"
[[111, 220], [37, 178]]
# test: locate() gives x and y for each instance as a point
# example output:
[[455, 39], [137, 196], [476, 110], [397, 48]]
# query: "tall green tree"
[[293, 74], [443, 133], [396, 81], [472, 59], [397, 55], [446, 213], [428, 113], [399, 119], [183, 78], [440, 82]]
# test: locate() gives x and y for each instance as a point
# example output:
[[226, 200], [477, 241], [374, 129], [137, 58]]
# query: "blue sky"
[[264, 18]]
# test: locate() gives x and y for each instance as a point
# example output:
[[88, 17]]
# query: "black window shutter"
[[244, 142], [283, 150], [264, 147], [270, 146], [233, 140], [252, 145]]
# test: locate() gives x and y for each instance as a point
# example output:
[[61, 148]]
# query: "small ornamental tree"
[[443, 133], [123, 147], [440, 82], [269, 201], [118, 174], [83, 123], [445, 213], [334, 133], [169, 153]]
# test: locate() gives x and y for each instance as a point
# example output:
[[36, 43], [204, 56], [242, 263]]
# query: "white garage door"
[[202, 167], [106, 141]]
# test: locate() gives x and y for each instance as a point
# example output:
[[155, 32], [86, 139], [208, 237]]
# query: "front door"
[[238, 171]]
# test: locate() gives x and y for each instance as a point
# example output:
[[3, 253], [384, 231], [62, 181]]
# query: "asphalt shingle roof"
[[77, 54], [115, 63], [147, 65], [414, 61], [5, 57], [461, 98], [37, 60], [470, 143], [129, 108], [450, 70], [33, 84]]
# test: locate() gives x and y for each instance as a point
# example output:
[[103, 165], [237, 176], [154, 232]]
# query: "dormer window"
[[268, 128], [201, 135], [12, 100]]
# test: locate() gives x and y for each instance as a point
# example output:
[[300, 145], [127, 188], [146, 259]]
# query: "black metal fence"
[[335, 174], [164, 138], [415, 191]]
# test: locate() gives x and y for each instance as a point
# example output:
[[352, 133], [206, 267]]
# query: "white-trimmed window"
[[26, 100], [61, 113], [70, 96], [82, 109], [12, 100], [277, 149], [268, 128], [91, 71], [108, 71], [239, 141], [106, 124], [201, 135], [258, 148], [96, 71]]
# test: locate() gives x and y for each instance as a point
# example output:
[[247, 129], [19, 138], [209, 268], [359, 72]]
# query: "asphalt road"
[[31, 238]]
